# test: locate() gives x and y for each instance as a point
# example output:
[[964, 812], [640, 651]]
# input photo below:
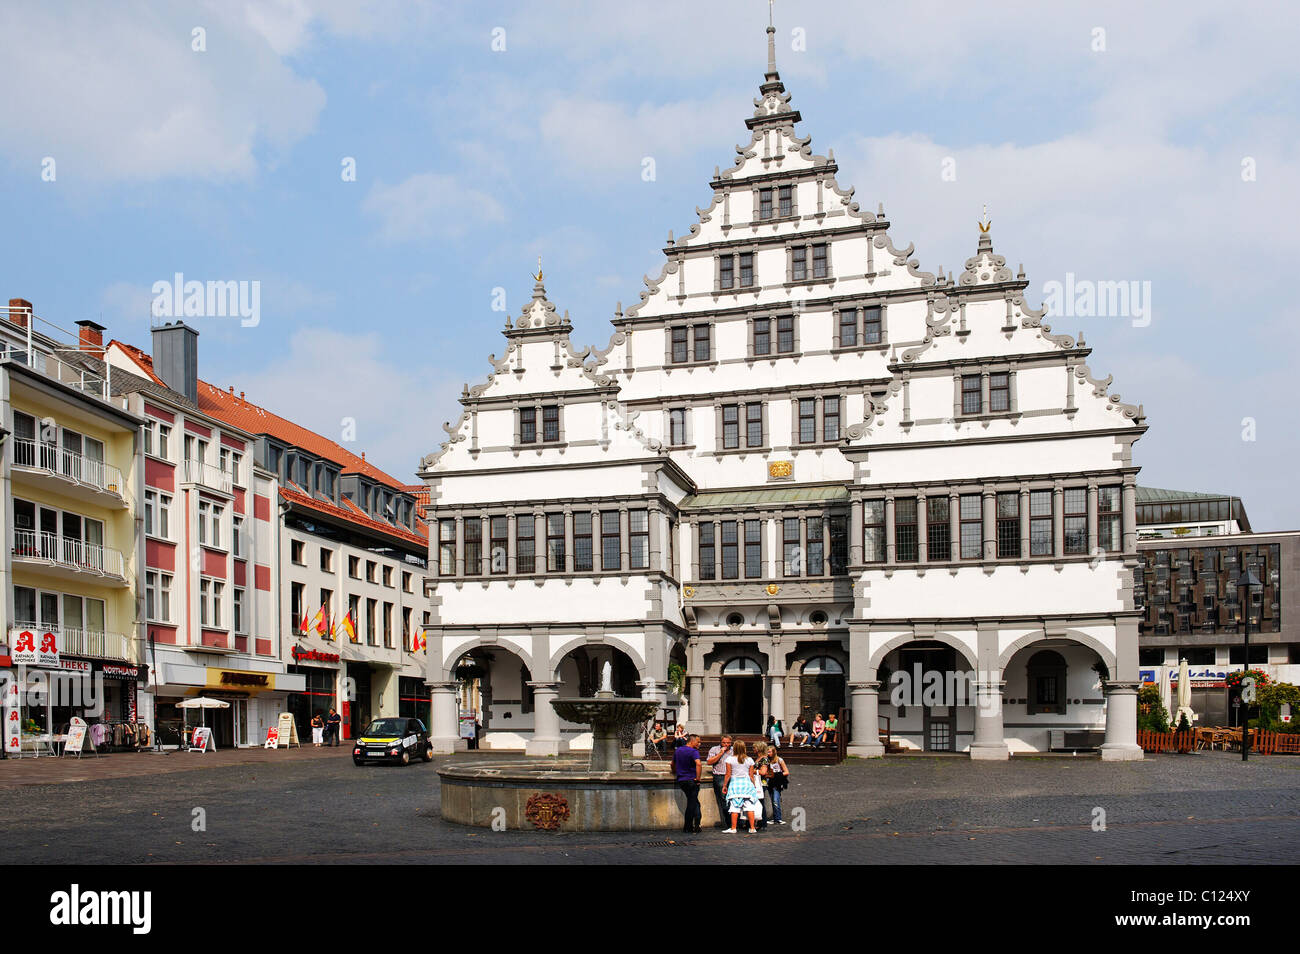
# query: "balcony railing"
[[69, 552], [52, 366], [65, 463], [197, 472], [74, 641]]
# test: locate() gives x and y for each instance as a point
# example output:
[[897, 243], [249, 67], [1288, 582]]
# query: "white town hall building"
[[802, 472]]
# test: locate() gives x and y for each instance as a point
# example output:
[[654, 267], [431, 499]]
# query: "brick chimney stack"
[[20, 309], [90, 338]]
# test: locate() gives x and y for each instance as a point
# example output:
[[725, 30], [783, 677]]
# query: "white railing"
[[78, 642], [69, 552], [55, 367], [197, 472], [65, 463]]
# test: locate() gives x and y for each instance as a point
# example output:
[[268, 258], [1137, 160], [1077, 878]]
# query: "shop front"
[[256, 698], [319, 671], [414, 699]]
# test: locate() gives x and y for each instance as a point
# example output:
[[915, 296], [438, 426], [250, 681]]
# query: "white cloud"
[[429, 205]]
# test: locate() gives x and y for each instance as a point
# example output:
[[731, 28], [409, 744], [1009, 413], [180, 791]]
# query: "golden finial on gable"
[[986, 224], [538, 276]]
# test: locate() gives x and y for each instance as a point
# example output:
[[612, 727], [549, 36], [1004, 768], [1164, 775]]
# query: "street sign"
[[202, 741]]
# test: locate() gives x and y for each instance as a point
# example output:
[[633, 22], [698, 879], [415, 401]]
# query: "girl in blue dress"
[[740, 787]]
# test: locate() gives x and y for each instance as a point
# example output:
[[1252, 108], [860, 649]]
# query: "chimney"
[[90, 338], [176, 357], [19, 311]]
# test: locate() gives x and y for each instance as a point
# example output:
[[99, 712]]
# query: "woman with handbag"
[[778, 777]]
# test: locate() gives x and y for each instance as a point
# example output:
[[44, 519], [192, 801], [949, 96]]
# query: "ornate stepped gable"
[[866, 264]]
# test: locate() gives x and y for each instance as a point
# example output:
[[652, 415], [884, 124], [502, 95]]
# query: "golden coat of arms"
[[689, 591], [780, 469], [546, 810], [773, 589]]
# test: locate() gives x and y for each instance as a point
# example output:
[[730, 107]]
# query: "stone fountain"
[[567, 794]]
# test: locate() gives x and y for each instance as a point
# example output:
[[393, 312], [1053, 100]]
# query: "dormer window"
[[539, 421], [775, 202]]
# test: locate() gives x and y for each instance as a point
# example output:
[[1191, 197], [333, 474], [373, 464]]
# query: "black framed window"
[[848, 327], [703, 343], [839, 527], [938, 532], [871, 326], [555, 542], [753, 549], [583, 553], [906, 533], [971, 526], [551, 423], [764, 203], [610, 542], [707, 565], [500, 541], [785, 201], [677, 426], [746, 269], [1075, 509], [680, 346], [1040, 523], [971, 400], [830, 419], [815, 552], [819, 261], [754, 425], [525, 544], [799, 263], [1109, 524], [447, 547], [999, 392], [807, 420], [730, 426], [785, 334], [730, 550], [473, 546], [1008, 524], [873, 531], [727, 272], [638, 539], [528, 425], [762, 336], [791, 547]]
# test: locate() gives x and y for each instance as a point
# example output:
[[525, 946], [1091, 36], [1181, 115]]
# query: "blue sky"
[[1108, 141]]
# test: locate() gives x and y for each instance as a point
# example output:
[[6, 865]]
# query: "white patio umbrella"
[[204, 703], [1184, 695]]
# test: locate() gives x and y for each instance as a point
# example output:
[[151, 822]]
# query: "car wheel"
[[405, 757], [428, 752]]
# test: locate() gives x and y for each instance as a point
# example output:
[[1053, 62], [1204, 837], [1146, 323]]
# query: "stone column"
[[1058, 519], [546, 721], [444, 732], [1025, 549], [864, 700], [989, 742], [568, 540], [1121, 723], [954, 526], [922, 530], [460, 546], [695, 720], [1130, 514], [1093, 543], [890, 551], [855, 533], [990, 527]]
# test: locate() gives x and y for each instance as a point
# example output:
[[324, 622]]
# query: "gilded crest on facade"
[[546, 810]]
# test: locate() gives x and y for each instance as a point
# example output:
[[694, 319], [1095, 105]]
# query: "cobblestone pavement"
[[316, 807]]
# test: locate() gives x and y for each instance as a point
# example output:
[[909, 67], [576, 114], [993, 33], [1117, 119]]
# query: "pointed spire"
[[985, 243], [539, 290], [771, 45]]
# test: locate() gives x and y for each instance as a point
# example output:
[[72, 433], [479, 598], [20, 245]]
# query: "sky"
[[388, 172]]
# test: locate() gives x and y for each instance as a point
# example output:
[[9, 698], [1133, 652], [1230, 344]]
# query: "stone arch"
[[611, 642], [1107, 657], [899, 641], [447, 669]]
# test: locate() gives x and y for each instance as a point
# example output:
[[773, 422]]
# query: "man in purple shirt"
[[687, 771]]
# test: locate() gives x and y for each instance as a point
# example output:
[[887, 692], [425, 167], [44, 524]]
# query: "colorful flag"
[[319, 623], [350, 626], [305, 626]]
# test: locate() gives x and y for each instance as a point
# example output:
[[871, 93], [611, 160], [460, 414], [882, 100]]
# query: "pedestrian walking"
[[317, 730], [688, 770], [717, 760], [738, 786], [778, 779]]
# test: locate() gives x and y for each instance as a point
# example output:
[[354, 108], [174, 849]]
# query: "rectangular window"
[[1109, 524], [785, 201], [525, 544], [1040, 523], [799, 264], [205, 602], [327, 560], [999, 392], [1008, 525], [871, 326], [237, 610], [730, 426], [938, 532], [830, 419], [839, 544], [528, 425], [237, 535], [473, 546], [372, 610], [1075, 509], [638, 539], [703, 343], [791, 547], [730, 550], [819, 261], [762, 336], [677, 427], [610, 544], [584, 555], [764, 203], [754, 425], [785, 335], [354, 565], [680, 348], [971, 401], [873, 531], [746, 269], [297, 552], [906, 539], [555, 542], [497, 556], [551, 423], [971, 515], [388, 625], [848, 327], [726, 272], [807, 420], [814, 553], [205, 511], [753, 549], [707, 557]]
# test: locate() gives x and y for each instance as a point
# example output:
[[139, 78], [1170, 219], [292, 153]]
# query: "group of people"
[[325, 729], [804, 734], [744, 786]]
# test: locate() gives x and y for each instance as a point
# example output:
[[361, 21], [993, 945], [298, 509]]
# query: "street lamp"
[[1251, 584]]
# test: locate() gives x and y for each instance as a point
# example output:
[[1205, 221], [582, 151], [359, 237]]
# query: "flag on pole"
[[319, 623], [350, 626]]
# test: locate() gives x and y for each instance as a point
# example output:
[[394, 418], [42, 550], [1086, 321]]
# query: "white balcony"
[[205, 475], [69, 559], [54, 367], [68, 473], [79, 642]]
